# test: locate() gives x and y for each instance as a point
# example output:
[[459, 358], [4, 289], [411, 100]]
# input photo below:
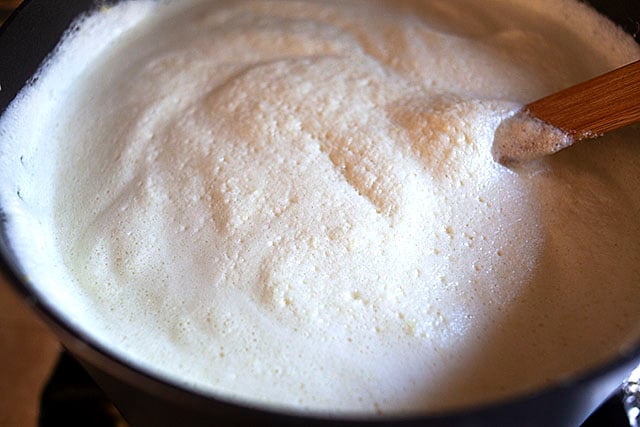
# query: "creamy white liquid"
[[295, 203]]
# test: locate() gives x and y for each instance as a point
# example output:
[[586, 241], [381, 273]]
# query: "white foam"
[[29, 156], [299, 207]]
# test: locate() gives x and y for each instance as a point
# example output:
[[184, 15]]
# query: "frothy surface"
[[295, 203]]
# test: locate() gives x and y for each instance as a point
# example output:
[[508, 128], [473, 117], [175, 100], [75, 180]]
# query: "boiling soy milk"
[[295, 203]]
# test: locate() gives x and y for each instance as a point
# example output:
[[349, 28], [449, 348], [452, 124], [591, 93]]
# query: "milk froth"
[[296, 204]]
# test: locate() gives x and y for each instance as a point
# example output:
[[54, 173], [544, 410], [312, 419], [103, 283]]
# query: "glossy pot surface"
[[25, 41]]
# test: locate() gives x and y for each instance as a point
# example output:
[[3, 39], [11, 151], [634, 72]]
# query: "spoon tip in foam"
[[589, 109], [523, 137]]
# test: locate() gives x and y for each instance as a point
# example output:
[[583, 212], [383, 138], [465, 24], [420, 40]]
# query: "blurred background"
[[28, 353], [6, 7]]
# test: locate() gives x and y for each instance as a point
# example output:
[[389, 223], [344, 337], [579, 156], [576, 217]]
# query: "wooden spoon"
[[586, 110]]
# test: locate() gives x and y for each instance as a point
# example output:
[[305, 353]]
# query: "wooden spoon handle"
[[604, 103]]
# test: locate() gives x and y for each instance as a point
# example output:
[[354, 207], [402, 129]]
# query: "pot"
[[28, 37]]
